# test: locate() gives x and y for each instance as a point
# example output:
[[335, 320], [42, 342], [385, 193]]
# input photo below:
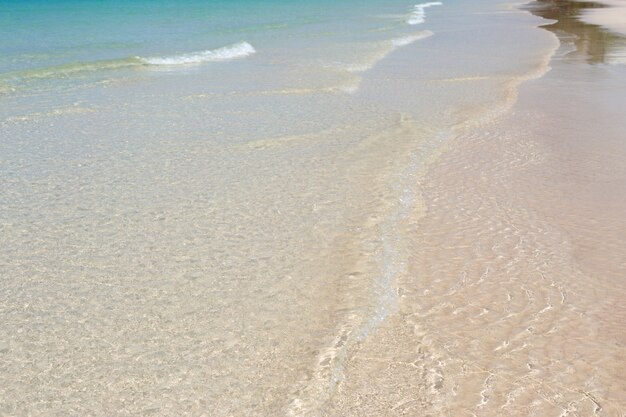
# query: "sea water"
[[204, 204]]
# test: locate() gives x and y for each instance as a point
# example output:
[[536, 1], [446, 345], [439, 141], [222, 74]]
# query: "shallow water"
[[225, 231], [511, 304]]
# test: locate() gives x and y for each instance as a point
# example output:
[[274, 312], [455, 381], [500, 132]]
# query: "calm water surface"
[[203, 205]]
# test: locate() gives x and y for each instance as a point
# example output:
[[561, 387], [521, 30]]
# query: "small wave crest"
[[407, 40], [12, 80], [226, 53], [418, 15], [385, 48]]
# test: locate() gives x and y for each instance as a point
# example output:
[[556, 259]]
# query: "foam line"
[[226, 53], [418, 15]]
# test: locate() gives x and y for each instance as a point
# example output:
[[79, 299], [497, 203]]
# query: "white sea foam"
[[385, 48], [407, 40], [418, 15], [226, 53]]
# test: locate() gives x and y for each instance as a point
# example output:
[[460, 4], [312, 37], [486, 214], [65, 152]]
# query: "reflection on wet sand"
[[592, 43]]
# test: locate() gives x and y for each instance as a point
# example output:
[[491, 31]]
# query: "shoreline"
[[579, 40], [522, 244], [358, 219], [510, 304]]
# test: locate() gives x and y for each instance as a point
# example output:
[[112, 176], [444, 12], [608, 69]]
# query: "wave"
[[419, 12], [385, 48], [407, 40], [9, 81], [226, 53]]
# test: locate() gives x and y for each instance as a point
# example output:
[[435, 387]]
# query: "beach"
[[513, 301], [334, 209]]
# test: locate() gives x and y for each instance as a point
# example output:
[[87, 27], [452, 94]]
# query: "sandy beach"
[[312, 209], [514, 301]]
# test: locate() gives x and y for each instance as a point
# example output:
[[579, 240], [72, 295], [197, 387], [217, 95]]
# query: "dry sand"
[[613, 17]]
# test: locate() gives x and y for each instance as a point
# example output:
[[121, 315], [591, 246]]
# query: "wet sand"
[[438, 233], [513, 300], [586, 42], [228, 241]]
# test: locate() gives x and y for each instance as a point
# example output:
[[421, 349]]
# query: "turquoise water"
[[38, 35], [52, 48], [204, 204]]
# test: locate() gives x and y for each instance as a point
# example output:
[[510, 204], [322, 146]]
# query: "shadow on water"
[[592, 43]]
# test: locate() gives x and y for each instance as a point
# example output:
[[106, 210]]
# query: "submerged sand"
[[513, 301], [439, 236]]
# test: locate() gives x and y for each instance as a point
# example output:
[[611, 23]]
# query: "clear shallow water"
[[217, 237], [64, 34]]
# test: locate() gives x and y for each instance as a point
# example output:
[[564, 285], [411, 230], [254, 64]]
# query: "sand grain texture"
[[513, 301]]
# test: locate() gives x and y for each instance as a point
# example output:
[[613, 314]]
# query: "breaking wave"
[[226, 53], [419, 12]]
